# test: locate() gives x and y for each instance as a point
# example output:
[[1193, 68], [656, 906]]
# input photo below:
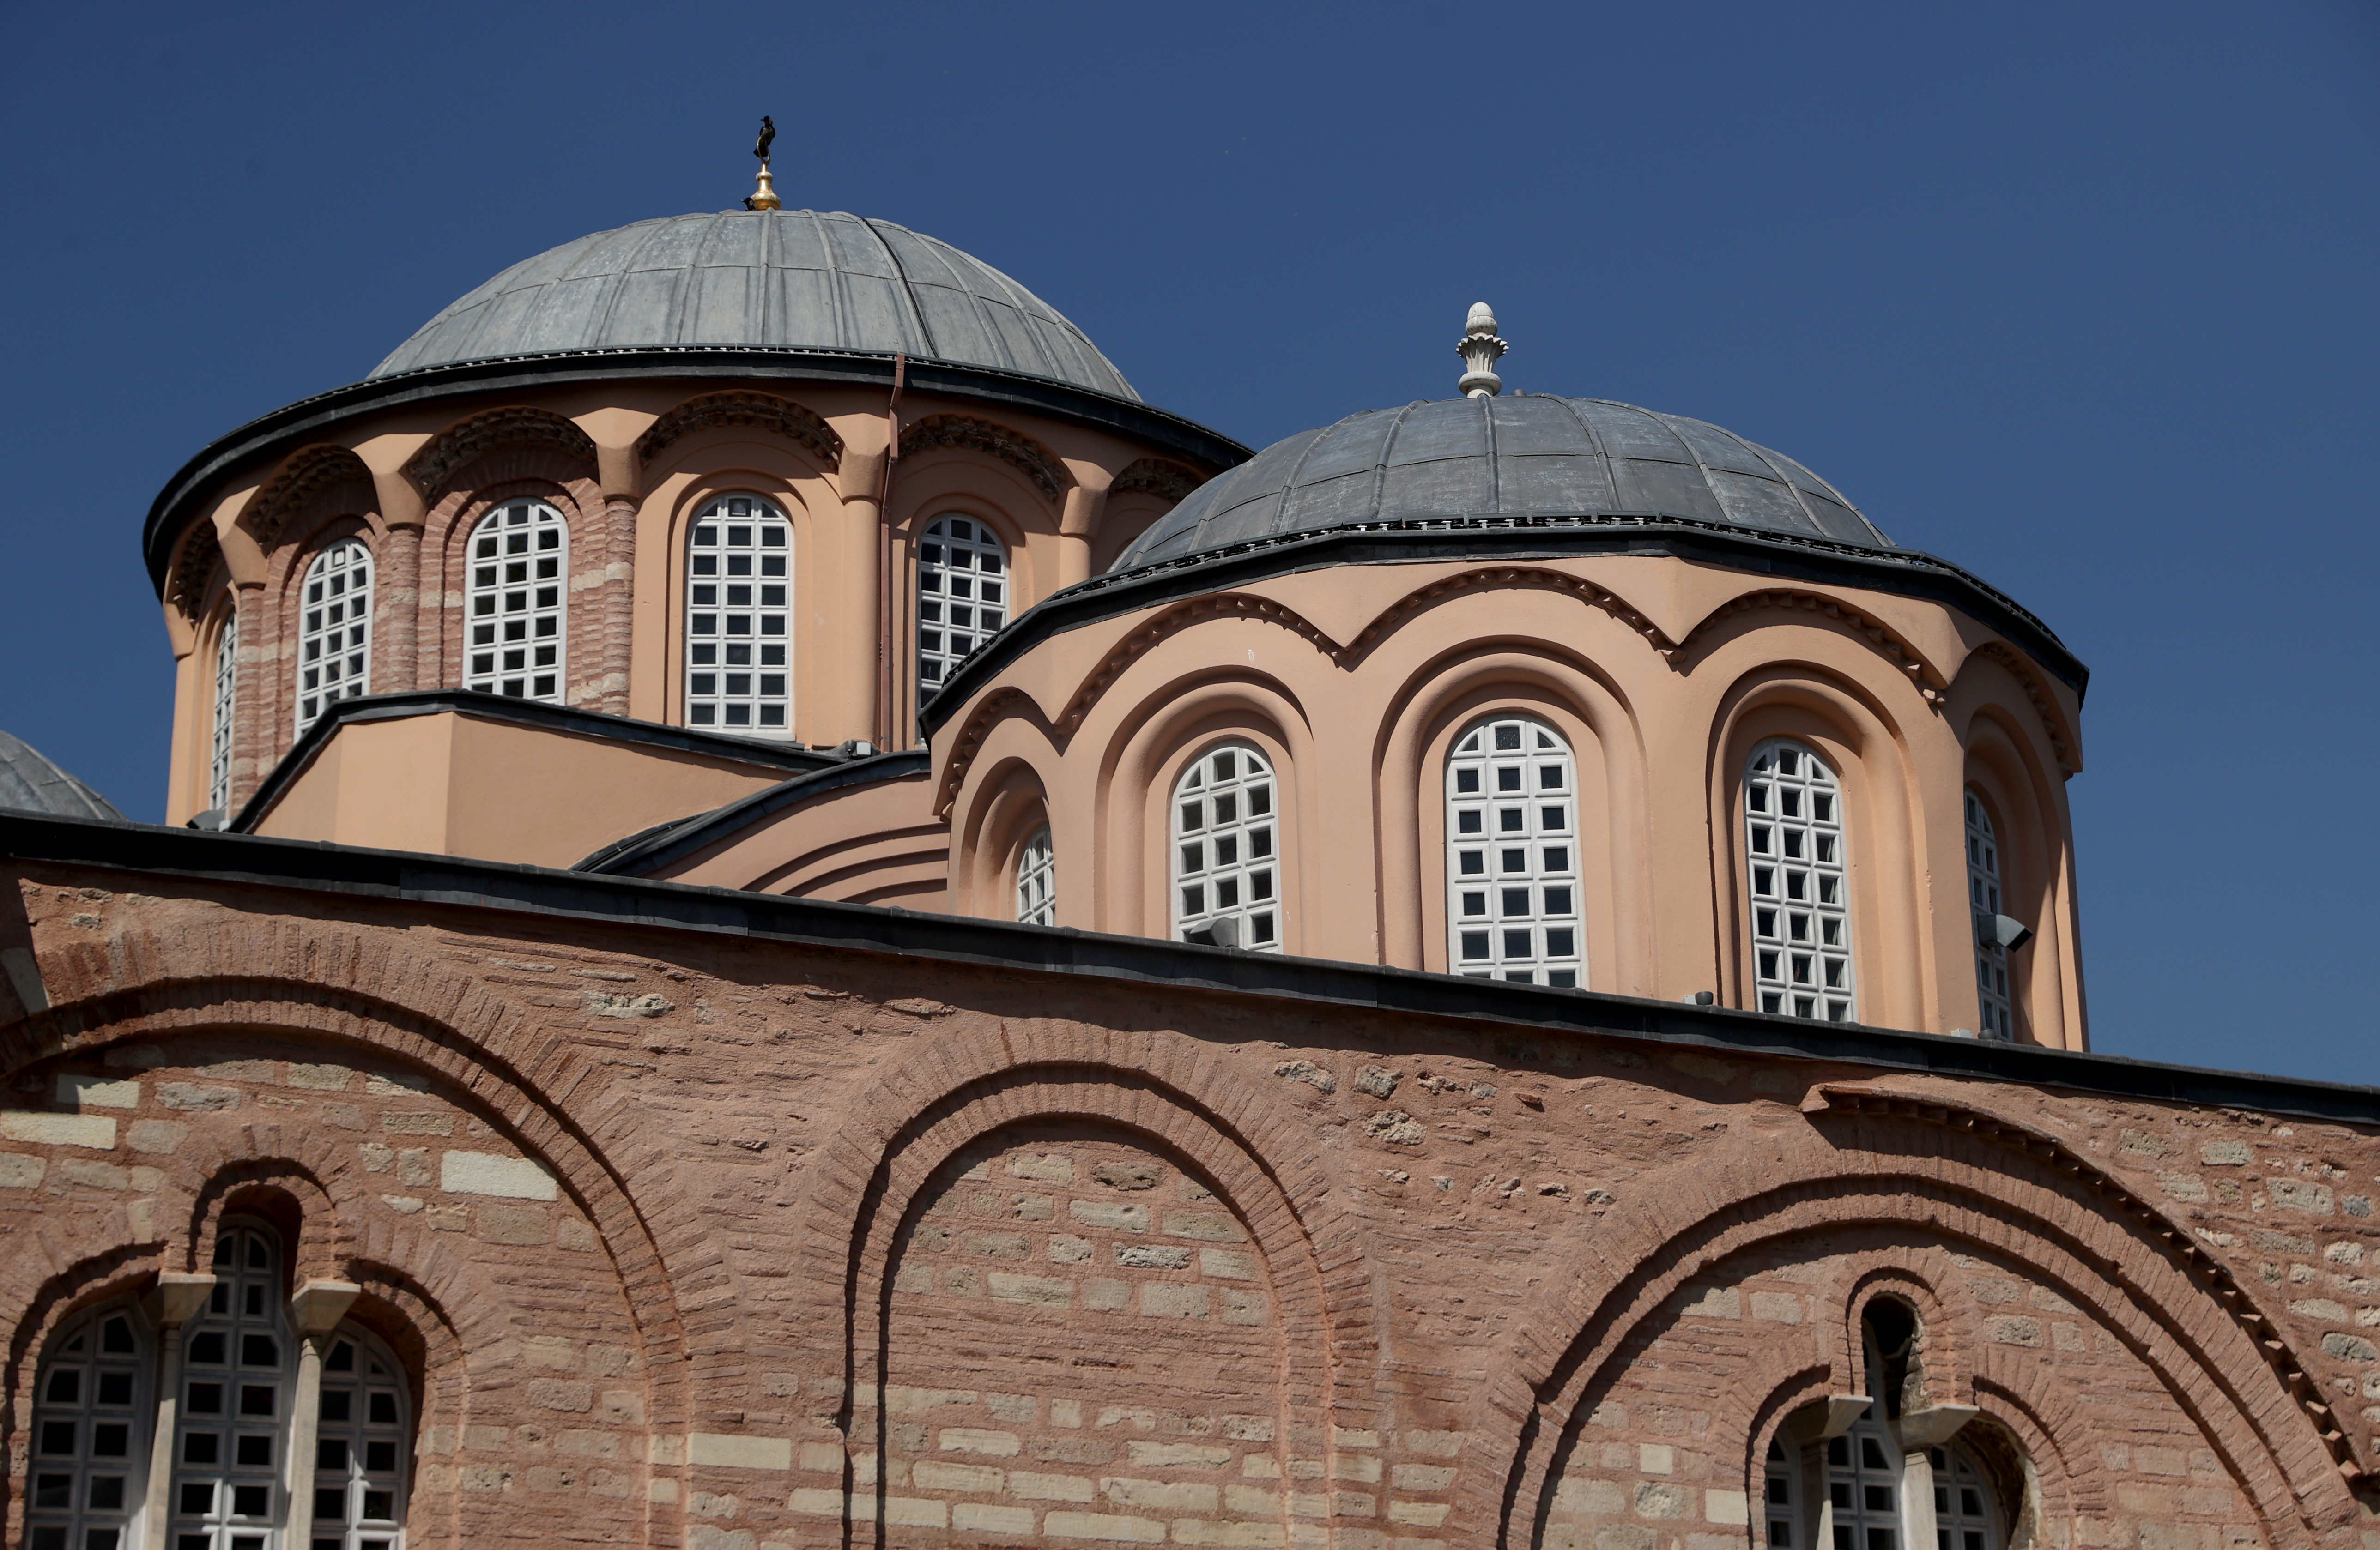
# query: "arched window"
[[365, 1445], [1511, 855], [739, 576], [1782, 1501], [520, 588], [1036, 882], [239, 1374], [226, 693], [1801, 897], [91, 1407], [961, 595], [334, 630], [1984, 897], [1871, 1478], [1963, 1514], [1226, 864]]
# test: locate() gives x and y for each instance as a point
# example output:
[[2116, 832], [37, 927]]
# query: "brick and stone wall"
[[691, 1239]]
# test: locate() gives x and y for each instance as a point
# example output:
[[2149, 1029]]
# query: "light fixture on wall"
[[1224, 931], [2002, 931]]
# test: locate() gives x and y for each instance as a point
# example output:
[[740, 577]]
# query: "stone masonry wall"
[[689, 1240]]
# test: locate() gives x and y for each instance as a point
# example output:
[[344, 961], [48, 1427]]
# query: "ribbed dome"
[[30, 784], [775, 279], [1532, 455]]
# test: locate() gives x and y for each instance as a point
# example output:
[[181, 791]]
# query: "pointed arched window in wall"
[[365, 1445], [519, 595], [1511, 855], [1226, 864], [226, 695], [1800, 887], [91, 1412], [334, 629], [961, 595], [239, 1372], [1984, 897], [1036, 882], [738, 637]]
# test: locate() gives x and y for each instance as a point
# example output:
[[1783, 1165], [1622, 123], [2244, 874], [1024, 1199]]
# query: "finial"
[[765, 196], [1480, 351]]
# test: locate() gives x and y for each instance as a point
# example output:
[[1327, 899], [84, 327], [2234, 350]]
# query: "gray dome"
[[771, 279], [30, 784], [1523, 456]]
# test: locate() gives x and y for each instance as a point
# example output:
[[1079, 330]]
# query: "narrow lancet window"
[[88, 1471], [1799, 886], [961, 595], [1983, 896], [738, 607], [219, 743], [519, 596], [1226, 863], [334, 630], [238, 1375], [364, 1447], [1511, 855], [1036, 882]]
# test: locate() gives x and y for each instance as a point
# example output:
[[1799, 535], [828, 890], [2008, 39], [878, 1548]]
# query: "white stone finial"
[[1480, 351]]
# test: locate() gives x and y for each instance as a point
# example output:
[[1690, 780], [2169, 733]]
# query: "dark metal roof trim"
[[1517, 1013], [517, 712], [664, 843], [1498, 539], [272, 434]]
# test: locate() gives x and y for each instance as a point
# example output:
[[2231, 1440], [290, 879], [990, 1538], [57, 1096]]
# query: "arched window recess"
[[962, 596], [334, 629], [1798, 879], [738, 613], [1226, 861], [1511, 855], [1036, 881], [219, 738], [519, 602]]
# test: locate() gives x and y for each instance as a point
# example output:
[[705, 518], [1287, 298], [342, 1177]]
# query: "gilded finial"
[[765, 196], [1480, 351]]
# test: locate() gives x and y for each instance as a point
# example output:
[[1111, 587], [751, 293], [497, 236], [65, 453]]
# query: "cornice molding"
[[759, 411], [2044, 704], [1396, 613]]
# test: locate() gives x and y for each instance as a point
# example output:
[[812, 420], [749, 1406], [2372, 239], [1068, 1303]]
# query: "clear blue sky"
[[2080, 297]]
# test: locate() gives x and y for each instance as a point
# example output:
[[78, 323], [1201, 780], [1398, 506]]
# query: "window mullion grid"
[[361, 1452], [519, 594], [334, 630], [961, 595], [739, 580], [226, 694], [1037, 882], [228, 1483], [1226, 864], [87, 1446], [1512, 856], [1984, 897], [1799, 885]]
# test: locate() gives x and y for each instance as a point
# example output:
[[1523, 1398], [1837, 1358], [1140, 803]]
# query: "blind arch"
[[519, 602], [738, 614], [334, 629], [1799, 882], [1511, 855], [1226, 860]]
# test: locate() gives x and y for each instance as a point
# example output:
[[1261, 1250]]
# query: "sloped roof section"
[[1532, 456], [30, 783], [768, 279]]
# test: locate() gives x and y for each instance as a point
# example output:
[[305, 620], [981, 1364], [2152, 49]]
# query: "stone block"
[[196, 1098], [1039, 1291], [970, 1439], [1164, 1300], [1109, 1215], [487, 1173], [97, 1092], [1028, 1485], [1105, 1527], [727, 1451], [90, 1130], [986, 1518]]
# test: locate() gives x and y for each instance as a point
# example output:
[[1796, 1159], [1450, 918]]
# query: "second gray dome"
[[775, 279], [1534, 456]]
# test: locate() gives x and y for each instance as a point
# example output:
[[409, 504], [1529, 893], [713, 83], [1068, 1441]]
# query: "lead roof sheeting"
[[29, 783], [771, 279]]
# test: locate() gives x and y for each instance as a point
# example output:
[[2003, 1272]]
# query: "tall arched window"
[[1782, 1501], [1964, 1518], [961, 595], [227, 694], [1226, 865], [1871, 1477], [334, 629], [520, 589], [239, 1374], [1511, 855], [1036, 882], [91, 1407], [1983, 896], [739, 580], [1800, 895], [365, 1445]]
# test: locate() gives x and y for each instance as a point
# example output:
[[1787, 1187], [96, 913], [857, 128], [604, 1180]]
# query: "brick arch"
[[986, 1074], [1945, 1184], [1042, 467], [1405, 610], [492, 430], [780, 418], [306, 474], [293, 1165], [1927, 677], [367, 992]]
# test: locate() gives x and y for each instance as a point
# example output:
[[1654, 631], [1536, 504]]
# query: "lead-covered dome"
[[771, 279], [1527, 456], [31, 782]]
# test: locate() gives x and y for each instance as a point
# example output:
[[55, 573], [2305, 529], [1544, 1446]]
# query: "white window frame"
[[334, 629], [112, 1406], [1513, 907], [739, 667], [226, 705], [364, 1447], [964, 591], [1036, 881], [1781, 1496], [1966, 1511], [1797, 880], [218, 1466], [1864, 1479], [517, 567], [1997, 1007], [1226, 861]]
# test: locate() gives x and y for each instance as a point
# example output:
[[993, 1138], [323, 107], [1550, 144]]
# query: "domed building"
[[788, 919]]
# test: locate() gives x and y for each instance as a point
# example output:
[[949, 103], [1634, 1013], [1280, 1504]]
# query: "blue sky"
[[2081, 297]]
